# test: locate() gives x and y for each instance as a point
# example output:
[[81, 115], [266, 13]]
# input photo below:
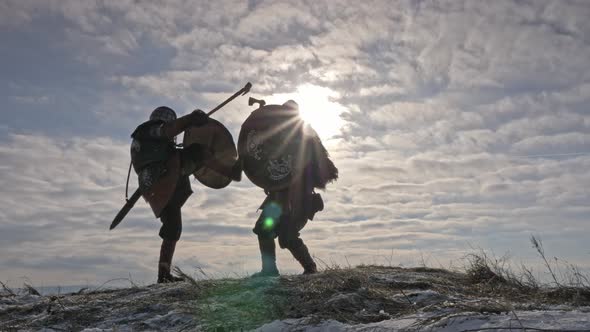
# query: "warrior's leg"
[[269, 258], [192, 158], [266, 233], [233, 172], [300, 252], [196, 156], [170, 234], [289, 239], [297, 218]]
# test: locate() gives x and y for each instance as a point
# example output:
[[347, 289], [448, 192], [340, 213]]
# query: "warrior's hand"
[[198, 118]]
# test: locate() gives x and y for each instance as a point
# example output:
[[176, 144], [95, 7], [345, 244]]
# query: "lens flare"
[[273, 210], [269, 223]]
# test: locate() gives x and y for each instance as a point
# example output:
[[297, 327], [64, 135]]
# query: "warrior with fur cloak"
[[290, 208]]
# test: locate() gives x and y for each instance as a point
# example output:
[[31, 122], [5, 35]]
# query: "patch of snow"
[[421, 297], [165, 322], [557, 320]]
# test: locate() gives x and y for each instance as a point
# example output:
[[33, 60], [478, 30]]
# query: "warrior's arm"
[[173, 128]]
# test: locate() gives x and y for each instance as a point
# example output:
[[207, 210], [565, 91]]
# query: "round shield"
[[219, 140], [271, 147]]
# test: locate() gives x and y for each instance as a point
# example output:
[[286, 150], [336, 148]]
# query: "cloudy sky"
[[455, 125]]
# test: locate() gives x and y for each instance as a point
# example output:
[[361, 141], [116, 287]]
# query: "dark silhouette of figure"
[[286, 212], [163, 172]]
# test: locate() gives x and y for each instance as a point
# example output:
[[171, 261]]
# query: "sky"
[[456, 126]]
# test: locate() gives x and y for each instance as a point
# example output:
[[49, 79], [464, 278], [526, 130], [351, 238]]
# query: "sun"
[[316, 108]]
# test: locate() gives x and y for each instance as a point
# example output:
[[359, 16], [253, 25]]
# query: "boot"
[[301, 254], [164, 275], [165, 262], [269, 258]]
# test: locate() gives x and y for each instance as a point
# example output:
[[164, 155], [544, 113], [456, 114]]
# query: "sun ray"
[[287, 139], [316, 107]]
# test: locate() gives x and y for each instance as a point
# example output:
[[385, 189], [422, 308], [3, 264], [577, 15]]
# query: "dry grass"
[[492, 276], [6, 291], [362, 294], [347, 295]]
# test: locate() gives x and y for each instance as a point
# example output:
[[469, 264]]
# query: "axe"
[[242, 92], [252, 101]]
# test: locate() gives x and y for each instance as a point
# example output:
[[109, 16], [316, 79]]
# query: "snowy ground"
[[545, 320], [359, 299]]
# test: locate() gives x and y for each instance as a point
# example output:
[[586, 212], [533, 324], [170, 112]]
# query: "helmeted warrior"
[[286, 210], [163, 170]]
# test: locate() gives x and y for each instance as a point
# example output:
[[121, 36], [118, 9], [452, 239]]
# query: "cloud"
[[269, 24], [562, 143]]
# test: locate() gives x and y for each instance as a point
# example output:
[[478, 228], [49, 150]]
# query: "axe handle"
[[125, 209], [242, 91]]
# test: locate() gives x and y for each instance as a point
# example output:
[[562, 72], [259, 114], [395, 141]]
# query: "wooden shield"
[[160, 193], [271, 147], [219, 140]]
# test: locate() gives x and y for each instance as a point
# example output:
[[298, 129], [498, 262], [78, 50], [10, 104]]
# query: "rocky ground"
[[366, 298]]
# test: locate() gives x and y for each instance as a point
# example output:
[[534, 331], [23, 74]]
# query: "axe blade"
[[247, 88], [252, 101]]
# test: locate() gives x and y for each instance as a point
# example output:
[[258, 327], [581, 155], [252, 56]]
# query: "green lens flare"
[[269, 223]]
